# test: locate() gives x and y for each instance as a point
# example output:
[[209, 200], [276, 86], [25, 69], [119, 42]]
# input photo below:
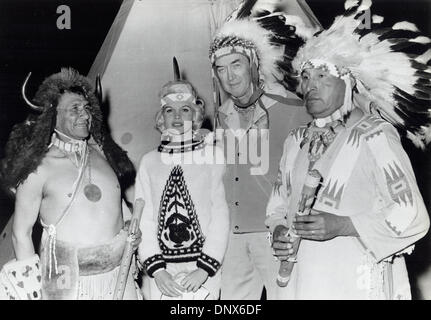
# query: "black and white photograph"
[[238, 151]]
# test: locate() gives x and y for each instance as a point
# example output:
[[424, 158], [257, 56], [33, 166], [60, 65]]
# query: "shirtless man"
[[75, 190]]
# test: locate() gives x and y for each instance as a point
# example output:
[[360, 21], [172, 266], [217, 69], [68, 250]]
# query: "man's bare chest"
[[64, 176]]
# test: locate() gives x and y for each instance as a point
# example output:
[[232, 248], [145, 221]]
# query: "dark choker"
[[181, 146], [254, 97]]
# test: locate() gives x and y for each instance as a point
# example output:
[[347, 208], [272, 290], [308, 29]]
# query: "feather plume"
[[388, 64], [365, 5], [405, 25], [421, 39], [177, 74], [425, 57], [377, 19], [349, 4]]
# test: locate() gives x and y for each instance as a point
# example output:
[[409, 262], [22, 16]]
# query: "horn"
[[98, 89], [200, 102], [177, 74], [31, 105]]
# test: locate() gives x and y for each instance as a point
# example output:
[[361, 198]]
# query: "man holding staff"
[[368, 212]]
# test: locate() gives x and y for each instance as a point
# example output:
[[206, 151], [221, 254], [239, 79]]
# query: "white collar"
[[75, 146]]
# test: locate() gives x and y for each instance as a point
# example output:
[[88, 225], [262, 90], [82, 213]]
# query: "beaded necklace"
[[81, 159], [320, 139]]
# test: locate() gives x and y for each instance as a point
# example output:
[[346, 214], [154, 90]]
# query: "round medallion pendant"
[[92, 192]]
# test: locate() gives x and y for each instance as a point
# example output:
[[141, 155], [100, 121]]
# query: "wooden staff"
[[126, 260], [309, 192]]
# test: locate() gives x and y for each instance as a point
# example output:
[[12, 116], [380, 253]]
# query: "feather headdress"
[[388, 65], [265, 34]]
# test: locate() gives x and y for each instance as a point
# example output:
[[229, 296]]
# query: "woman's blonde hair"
[[198, 116]]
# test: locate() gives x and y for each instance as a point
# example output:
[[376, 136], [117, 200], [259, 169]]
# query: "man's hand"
[[137, 236], [322, 226], [282, 244], [194, 280], [167, 285]]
